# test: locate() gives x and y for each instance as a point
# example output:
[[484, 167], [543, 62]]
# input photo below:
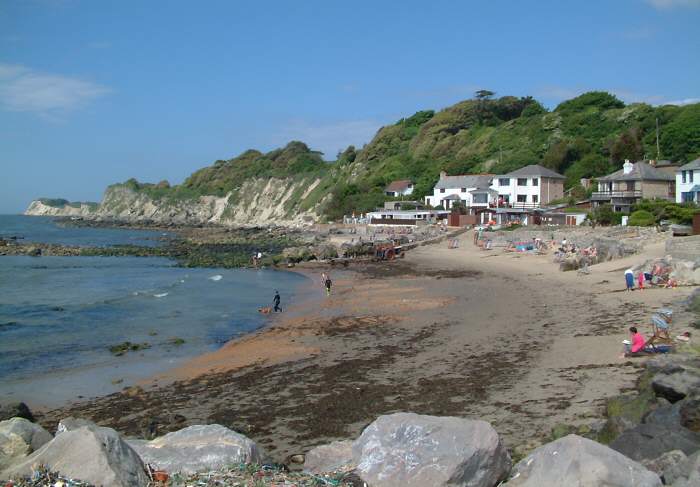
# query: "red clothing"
[[638, 342]]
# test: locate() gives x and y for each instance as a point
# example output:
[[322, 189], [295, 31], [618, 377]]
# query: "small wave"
[[161, 295], [217, 277], [9, 325]]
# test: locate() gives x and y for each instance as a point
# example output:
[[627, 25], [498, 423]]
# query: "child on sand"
[[629, 279], [640, 280]]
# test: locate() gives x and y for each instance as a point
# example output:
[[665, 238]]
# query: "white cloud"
[[329, 138], [670, 4], [23, 89], [685, 101]]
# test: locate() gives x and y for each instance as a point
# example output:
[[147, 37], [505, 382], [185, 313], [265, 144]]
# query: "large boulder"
[[15, 410], [665, 461], [70, 423], [649, 441], [329, 458], [413, 450], [199, 448], [677, 385], [19, 438], [578, 461], [685, 473], [91, 454]]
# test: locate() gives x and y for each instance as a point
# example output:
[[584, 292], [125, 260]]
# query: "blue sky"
[[96, 92]]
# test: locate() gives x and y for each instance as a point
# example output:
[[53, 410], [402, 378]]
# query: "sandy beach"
[[506, 338]]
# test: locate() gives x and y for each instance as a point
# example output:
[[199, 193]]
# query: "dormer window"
[[463, 190]]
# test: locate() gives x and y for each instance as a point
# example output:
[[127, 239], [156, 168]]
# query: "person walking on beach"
[[629, 279], [328, 283], [640, 280], [276, 302]]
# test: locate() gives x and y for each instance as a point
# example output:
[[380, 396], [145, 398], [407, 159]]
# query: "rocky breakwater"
[[403, 449]]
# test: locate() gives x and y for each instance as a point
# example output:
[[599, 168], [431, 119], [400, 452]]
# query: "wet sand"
[[507, 338]]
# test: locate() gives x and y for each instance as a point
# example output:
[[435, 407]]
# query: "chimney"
[[627, 167], [443, 174]]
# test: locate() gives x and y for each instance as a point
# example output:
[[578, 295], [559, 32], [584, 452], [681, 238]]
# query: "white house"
[[529, 187], [688, 182], [402, 187], [471, 190]]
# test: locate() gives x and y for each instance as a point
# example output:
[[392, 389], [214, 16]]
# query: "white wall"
[[682, 187], [512, 190]]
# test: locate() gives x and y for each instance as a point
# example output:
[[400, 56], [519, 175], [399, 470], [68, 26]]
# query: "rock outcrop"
[[414, 450], [92, 454], [43, 207], [574, 460], [198, 448], [259, 201]]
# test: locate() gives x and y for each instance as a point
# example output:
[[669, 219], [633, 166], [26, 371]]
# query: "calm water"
[[60, 315], [44, 229]]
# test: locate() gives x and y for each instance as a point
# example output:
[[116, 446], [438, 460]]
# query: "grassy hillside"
[[588, 136]]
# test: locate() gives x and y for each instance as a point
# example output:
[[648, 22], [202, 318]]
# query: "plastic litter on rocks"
[[43, 477], [252, 475]]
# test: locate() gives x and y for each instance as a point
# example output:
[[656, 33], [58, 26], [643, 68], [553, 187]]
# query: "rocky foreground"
[[653, 439]]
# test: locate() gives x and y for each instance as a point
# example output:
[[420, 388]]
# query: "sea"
[[59, 316]]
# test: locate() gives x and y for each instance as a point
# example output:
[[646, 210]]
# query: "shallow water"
[[45, 229], [60, 315]]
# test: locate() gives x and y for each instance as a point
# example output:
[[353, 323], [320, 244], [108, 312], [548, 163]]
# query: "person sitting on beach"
[[637, 346], [661, 322]]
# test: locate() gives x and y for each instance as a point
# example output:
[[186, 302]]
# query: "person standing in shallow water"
[[328, 283], [276, 302]]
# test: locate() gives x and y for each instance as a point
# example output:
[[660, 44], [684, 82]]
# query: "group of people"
[[660, 324], [642, 278]]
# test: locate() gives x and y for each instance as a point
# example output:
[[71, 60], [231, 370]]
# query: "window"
[[535, 198], [503, 181], [522, 181], [535, 182], [442, 190], [522, 198], [480, 198], [630, 185], [690, 176], [683, 176], [463, 190]]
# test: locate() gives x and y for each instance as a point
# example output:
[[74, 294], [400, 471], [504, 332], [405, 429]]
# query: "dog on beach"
[[266, 310]]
